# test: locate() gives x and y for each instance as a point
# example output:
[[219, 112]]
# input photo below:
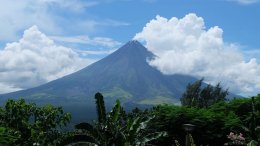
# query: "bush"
[[31, 124]]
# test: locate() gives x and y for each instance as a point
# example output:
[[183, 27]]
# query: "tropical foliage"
[[27, 124], [212, 124], [234, 122], [116, 128], [196, 96]]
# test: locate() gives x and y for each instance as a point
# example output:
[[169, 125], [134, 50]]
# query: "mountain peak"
[[125, 74], [135, 49], [133, 44]]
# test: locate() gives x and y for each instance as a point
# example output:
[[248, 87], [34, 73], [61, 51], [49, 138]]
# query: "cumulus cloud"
[[17, 15], [48, 15], [6, 88], [35, 59], [252, 53], [185, 46]]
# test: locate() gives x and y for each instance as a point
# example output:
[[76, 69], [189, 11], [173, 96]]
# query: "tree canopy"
[[199, 95], [24, 123]]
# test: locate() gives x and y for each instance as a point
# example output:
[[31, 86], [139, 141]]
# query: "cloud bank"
[[185, 46], [35, 59], [55, 17]]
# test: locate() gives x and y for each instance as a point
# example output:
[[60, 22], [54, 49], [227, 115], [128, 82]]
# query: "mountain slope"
[[124, 74]]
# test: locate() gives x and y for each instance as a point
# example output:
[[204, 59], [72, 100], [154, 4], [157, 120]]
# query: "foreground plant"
[[7, 136], [253, 128], [253, 143], [27, 124], [190, 143], [113, 129], [236, 139]]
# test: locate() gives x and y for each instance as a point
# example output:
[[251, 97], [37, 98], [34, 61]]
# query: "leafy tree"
[[253, 127], [7, 136], [100, 106], [33, 125], [190, 97], [196, 96], [211, 125]]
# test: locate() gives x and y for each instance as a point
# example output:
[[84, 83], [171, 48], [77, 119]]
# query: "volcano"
[[124, 74]]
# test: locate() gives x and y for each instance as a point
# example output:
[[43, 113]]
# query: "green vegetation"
[[217, 122], [117, 128], [118, 92], [157, 100], [194, 96], [24, 123], [213, 124]]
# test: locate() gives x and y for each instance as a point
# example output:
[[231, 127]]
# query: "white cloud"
[[96, 41], [106, 42], [252, 53], [103, 45], [17, 15], [185, 46], [55, 17], [91, 52], [35, 59], [245, 2], [4, 88], [74, 5], [115, 23]]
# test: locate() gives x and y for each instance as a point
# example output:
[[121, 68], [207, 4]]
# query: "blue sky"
[[122, 19], [87, 30]]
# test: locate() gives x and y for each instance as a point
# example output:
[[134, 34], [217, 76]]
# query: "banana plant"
[[112, 129], [253, 143]]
